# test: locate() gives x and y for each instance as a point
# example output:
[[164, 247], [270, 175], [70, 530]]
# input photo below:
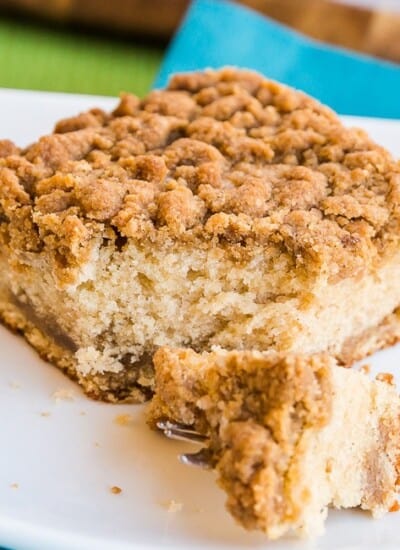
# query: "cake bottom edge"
[[112, 387]]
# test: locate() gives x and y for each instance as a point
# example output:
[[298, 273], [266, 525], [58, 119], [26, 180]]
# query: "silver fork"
[[183, 432]]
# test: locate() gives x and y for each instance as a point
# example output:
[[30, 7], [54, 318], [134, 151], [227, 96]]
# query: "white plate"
[[66, 462]]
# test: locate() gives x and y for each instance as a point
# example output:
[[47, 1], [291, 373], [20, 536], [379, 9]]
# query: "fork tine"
[[200, 459], [176, 426], [180, 432], [183, 432], [192, 437]]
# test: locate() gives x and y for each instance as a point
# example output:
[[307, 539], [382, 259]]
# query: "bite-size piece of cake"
[[225, 210], [289, 435]]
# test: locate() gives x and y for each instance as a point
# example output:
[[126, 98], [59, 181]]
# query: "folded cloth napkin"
[[218, 32]]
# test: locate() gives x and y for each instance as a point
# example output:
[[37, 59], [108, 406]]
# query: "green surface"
[[43, 58]]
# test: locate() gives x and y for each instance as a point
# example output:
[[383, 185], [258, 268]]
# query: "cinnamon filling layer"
[[136, 374], [47, 324]]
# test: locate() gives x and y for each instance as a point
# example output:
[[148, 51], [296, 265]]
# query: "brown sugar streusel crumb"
[[7, 148], [123, 419], [365, 368], [116, 490], [224, 155], [395, 507], [386, 377]]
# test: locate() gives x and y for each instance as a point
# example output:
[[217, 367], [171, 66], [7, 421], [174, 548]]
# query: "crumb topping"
[[8, 148], [224, 156]]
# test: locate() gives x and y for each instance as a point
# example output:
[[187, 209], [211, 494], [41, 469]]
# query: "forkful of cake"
[[288, 435]]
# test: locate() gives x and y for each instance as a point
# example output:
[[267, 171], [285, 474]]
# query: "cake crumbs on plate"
[[82, 413], [63, 394], [366, 368], [172, 505], [14, 485], [96, 444], [115, 490], [385, 377], [395, 506], [45, 413], [123, 419], [15, 385]]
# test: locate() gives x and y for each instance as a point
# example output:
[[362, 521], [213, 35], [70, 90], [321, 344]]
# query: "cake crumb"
[[123, 419], [63, 394], [82, 413], [14, 486], [395, 506], [116, 490], [15, 385], [385, 377], [96, 444], [172, 505], [45, 413], [366, 368]]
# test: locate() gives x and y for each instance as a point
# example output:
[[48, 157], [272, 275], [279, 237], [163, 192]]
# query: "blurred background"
[[105, 46]]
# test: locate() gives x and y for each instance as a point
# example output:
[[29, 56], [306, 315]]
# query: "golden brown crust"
[[221, 155], [386, 334]]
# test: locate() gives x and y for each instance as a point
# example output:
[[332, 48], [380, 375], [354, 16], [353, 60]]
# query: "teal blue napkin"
[[218, 32]]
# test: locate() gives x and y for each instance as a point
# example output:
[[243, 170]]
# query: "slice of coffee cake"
[[289, 435], [226, 210]]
